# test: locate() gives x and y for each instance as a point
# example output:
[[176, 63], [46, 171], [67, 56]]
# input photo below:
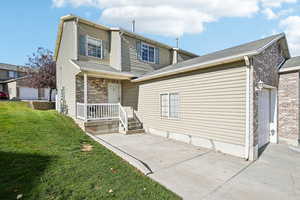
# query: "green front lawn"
[[41, 157]]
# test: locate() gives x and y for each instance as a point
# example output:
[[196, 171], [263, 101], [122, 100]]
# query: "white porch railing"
[[102, 111], [123, 117]]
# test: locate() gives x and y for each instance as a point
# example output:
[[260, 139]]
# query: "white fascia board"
[[209, 63], [296, 68], [192, 67], [123, 75]]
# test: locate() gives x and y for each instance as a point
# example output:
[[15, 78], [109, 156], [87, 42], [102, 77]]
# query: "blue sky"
[[27, 25]]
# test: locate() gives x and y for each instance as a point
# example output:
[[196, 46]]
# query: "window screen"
[[174, 105], [164, 105]]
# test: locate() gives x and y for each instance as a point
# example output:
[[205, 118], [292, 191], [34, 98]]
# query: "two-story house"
[[225, 100], [7, 72], [14, 82], [95, 64]]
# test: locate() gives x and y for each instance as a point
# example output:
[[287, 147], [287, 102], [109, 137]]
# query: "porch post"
[[85, 95]]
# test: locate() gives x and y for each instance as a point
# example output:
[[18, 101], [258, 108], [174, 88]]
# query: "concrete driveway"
[[198, 173]]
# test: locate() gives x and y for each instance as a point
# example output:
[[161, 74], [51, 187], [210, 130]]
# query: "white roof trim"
[[288, 69], [208, 63], [121, 74]]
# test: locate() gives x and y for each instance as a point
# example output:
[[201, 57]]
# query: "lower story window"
[[164, 105], [174, 105], [169, 105]]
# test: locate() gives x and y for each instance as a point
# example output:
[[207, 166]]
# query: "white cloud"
[[75, 3], [291, 28], [173, 17], [269, 13], [276, 3]]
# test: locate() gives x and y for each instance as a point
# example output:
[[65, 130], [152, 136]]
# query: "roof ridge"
[[70, 16], [233, 53]]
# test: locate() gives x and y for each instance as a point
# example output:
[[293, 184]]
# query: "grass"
[[41, 158]]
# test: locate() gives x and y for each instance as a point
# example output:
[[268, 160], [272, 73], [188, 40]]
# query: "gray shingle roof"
[[96, 67], [240, 50], [292, 62], [11, 67]]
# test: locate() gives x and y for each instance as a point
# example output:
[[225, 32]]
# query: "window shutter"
[[105, 49], [156, 55], [82, 41], [138, 49]]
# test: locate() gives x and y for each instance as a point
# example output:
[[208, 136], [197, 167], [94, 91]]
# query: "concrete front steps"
[[100, 127], [134, 127]]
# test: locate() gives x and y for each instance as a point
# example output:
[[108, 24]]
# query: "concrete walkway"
[[198, 173]]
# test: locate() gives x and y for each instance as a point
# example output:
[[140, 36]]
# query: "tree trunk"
[[50, 95]]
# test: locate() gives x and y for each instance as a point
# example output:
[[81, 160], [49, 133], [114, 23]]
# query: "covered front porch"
[[99, 98]]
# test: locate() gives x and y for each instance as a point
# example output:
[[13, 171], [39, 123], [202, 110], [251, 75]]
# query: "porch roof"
[[98, 68]]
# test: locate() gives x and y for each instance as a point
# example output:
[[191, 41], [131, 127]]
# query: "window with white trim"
[[148, 53], [164, 105], [169, 105], [12, 74], [94, 47], [173, 105]]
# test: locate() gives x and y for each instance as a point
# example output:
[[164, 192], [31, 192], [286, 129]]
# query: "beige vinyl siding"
[[12, 89], [3, 74], [84, 29], [65, 71], [131, 63], [212, 103]]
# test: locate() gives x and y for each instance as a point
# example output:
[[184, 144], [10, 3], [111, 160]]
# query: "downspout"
[[248, 92]]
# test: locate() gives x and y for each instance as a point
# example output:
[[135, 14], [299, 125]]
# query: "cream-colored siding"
[[12, 89], [3, 74], [65, 71], [131, 63], [84, 29], [212, 103]]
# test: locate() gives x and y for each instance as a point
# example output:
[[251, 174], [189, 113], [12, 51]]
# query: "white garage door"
[[28, 93], [264, 112]]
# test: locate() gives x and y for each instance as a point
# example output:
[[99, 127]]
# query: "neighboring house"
[[21, 90], [289, 99], [14, 82], [7, 72], [226, 100]]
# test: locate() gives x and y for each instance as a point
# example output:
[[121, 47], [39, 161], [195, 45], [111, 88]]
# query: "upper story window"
[[89, 46], [147, 53], [12, 74], [94, 47]]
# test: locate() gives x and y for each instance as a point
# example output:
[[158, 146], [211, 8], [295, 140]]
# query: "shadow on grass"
[[20, 173]]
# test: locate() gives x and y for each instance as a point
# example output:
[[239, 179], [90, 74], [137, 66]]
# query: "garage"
[[28, 93]]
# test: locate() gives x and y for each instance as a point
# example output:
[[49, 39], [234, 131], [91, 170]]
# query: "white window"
[[12, 74], [164, 105], [174, 105], [169, 105], [148, 53], [94, 47]]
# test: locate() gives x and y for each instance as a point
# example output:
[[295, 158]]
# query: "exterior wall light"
[[260, 85]]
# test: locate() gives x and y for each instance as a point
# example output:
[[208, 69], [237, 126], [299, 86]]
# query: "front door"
[[264, 108], [114, 93]]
